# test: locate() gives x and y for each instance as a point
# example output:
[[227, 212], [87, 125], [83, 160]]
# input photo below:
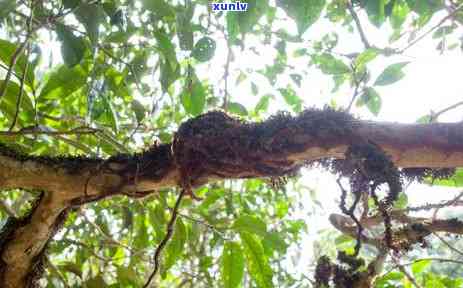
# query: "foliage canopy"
[[102, 77]]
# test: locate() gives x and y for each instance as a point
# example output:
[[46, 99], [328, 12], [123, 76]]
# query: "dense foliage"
[[101, 77]]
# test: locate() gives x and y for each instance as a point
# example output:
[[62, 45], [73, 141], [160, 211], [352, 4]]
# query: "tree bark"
[[69, 182]]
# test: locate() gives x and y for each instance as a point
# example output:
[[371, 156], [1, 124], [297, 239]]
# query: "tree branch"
[[354, 15], [441, 22], [220, 148]]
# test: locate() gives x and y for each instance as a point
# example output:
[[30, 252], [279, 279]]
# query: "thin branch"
[[21, 90], [16, 55], [207, 225], [442, 21], [129, 66], [420, 260], [226, 72], [453, 202], [7, 209], [451, 247], [436, 115], [354, 15], [356, 90], [450, 203], [7, 68], [52, 267], [38, 131], [434, 259], [170, 232], [405, 272]]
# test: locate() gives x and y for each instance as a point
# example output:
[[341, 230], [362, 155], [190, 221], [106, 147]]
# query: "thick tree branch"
[[210, 147]]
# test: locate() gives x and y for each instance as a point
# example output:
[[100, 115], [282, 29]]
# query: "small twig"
[[226, 73], [451, 247], [405, 272], [209, 226], [354, 15], [16, 54], [7, 209], [7, 68], [434, 259], [442, 21], [450, 203], [129, 66], [356, 90], [351, 213], [21, 90], [453, 202], [13, 60], [108, 237], [433, 117], [420, 260], [52, 267], [170, 232], [37, 131]]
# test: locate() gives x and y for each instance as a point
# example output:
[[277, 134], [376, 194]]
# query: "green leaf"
[[244, 21], [391, 74], [194, 97], [375, 11], [63, 81], [237, 108], [70, 4], [254, 89], [263, 103], [401, 202], [103, 111], [95, 282], [71, 267], [291, 98], [257, 263], [139, 110], [184, 27], [342, 239], [419, 266], [7, 49], [233, 28], [159, 8], [127, 277], [9, 100], [304, 12], [72, 47], [365, 57], [232, 269], [169, 73], [6, 7], [330, 65], [274, 241], [166, 47], [455, 181], [251, 224], [386, 280], [400, 11], [297, 78], [204, 49], [174, 248], [442, 31], [371, 99], [142, 238], [90, 15]]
